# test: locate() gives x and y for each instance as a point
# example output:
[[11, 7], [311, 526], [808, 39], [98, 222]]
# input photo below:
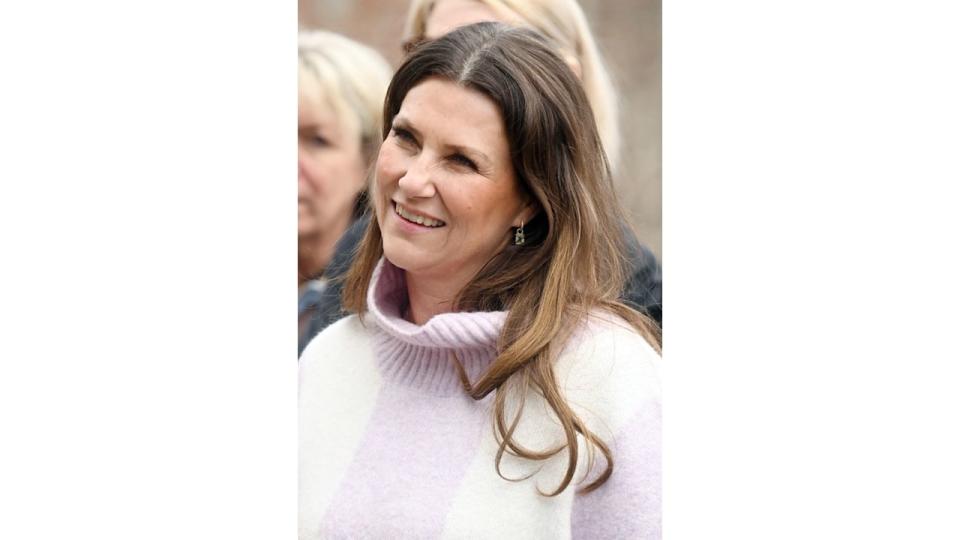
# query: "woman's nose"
[[417, 181], [301, 162]]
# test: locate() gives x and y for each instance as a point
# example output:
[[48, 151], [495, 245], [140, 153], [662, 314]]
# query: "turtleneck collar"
[[422, 356]]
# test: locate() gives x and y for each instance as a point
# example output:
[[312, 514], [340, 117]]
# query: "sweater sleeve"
[[614, 382], [627, 505]]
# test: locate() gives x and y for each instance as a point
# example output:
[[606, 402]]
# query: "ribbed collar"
[[422, 356]]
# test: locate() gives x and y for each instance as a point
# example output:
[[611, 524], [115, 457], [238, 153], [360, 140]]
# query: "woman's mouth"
[[416, 218]]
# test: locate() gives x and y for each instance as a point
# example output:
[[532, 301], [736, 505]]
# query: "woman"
[[341, 87], [565, 24], [489, 383]]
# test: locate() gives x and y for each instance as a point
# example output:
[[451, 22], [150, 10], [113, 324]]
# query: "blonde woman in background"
[[563, 21], [341, 88]]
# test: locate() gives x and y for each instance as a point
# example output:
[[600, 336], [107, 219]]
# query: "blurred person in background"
[[489, 383], [341, 88], [564, 23]]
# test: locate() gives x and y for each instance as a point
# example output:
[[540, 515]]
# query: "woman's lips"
[[416, 218]]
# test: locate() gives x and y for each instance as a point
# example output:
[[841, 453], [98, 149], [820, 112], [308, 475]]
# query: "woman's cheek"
[[390, 165], [380, 186]]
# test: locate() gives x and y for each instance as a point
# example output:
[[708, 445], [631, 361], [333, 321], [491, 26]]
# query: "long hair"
[[572, 263], [564, 22]]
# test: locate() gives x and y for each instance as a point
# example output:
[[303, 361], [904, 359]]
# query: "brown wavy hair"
[[572, 263]]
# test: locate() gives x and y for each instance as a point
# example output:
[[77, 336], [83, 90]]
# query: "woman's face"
[[331, 168], [446, 193], [448, 15]]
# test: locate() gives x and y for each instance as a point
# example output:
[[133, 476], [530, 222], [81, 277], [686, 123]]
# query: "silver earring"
[[518, 238]]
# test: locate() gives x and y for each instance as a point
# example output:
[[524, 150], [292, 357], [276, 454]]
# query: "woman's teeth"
[[418, 219]]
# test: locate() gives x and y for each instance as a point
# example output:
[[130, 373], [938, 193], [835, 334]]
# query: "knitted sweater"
[[392, 447]]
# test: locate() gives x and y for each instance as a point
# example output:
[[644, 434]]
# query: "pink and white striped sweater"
[[392, 447]]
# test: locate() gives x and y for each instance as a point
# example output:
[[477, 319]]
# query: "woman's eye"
[[314, 139], [464, 161], [404, 135]]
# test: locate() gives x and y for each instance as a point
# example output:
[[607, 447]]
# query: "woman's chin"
[[308, 223], [306, 232], [398, 256], [407, 257]]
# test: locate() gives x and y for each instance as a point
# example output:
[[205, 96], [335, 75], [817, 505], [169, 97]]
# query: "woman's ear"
[[527, 213]]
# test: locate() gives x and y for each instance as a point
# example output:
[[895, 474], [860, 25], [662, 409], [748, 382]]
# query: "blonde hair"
[[572, 263], [564, 22], [352, 77]]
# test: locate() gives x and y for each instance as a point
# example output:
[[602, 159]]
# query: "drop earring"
[[518, 238]]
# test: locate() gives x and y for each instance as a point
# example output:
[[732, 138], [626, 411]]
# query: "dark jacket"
[[641, 292], [325, 304]]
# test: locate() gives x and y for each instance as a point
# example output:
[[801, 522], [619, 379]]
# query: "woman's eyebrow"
[[322, 129], [403, 123], [473, 153]]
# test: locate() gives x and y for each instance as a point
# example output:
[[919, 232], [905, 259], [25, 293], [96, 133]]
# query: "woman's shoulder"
[[608, 370], [604, 341]]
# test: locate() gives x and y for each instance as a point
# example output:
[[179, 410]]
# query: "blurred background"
[[628, 34]]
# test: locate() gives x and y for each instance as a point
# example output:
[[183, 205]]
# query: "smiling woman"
[[489, 367]]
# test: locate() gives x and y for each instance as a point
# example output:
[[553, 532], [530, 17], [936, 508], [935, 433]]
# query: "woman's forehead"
[[448, 15], [439, 99], [455, 115], [316, 105]]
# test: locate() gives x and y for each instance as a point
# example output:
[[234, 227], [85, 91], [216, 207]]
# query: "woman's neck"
[[315, 251], [428, 297]]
